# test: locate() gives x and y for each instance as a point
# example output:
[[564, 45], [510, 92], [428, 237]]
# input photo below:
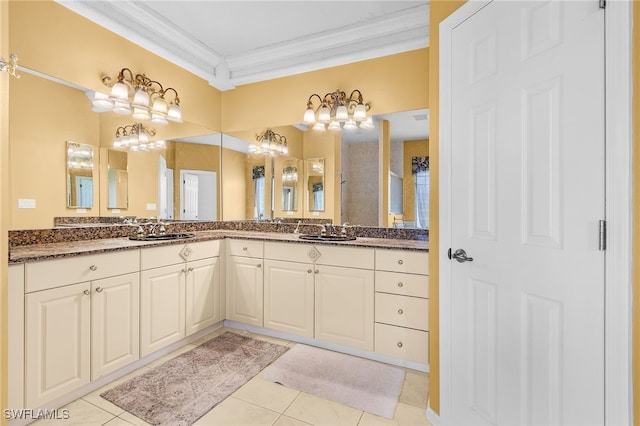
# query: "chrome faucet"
[[297, 230]]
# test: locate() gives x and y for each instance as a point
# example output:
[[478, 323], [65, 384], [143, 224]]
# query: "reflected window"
[[420, 171], [318, 196]]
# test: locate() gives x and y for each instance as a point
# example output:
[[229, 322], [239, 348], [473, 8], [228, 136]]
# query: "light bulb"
[[342, 113], [324, 115], [175, 113], [141, 98], [309, 116], [360, 113], [120, 91]]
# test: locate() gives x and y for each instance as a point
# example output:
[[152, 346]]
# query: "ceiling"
[[230, 43]]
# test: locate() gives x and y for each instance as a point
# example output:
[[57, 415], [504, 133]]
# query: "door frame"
[[618, 175]]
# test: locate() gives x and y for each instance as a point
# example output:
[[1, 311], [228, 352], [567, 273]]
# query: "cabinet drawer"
[[404, 311], [157, 257], [289, 252], [246, 248], [54, 273], [403, 343], [405, 284], [413, 262], [353, 257]]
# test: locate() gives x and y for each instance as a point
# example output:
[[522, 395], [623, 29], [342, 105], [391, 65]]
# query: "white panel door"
[[527, 193], [189, 196], [162, 307], [115, 323], [288, 297], [57, 326], [202, 294]]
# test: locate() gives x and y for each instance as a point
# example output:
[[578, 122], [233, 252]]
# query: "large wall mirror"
[[80, 165]]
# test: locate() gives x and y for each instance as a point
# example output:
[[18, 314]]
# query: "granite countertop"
[[37, 252]]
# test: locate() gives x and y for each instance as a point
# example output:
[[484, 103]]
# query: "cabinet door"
[[288, 297], [115, 323], [344, 306], [244, 290], [57, 325], [202, 294], [162, 307]]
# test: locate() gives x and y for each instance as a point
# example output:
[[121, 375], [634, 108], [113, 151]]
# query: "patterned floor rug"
[[360, 383], [183, 389]]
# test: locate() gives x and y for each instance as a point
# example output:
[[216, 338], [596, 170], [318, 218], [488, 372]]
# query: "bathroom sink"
[[162, 237], [326, 238]]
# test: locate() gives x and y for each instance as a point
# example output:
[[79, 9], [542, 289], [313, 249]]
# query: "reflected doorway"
[[198, 195]]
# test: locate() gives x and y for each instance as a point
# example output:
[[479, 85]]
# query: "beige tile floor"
[[259, 402]]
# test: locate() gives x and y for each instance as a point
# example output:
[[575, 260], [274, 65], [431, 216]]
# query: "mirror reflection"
[[117, 179], [80, 164], [290, 185], [314, 168]]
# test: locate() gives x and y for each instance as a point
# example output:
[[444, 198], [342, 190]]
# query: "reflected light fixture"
[[139, 96], [290, 174], [336, 111], [269, 143], [11, 66], [136, 137]]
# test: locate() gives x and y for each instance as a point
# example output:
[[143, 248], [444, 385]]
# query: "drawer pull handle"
[[399, 344], [316, 271], [93, 267], [184, 271], [244, 249], [400, 262], [86, 292], [190, 270], [259, 266], [309, 271], [400, 284], [400, 312], [99, 289]]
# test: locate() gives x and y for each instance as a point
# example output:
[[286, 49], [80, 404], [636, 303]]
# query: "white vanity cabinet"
[[179, 292], [245, 281], [71, 325], [344, 296], [289, 288], [402, 305]]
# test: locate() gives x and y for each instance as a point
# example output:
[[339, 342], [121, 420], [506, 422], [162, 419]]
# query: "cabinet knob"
[[309, 271], [400, 262], [190, 270], [316, 271], [244, 249], [400, 284], [184, 271], [99, 289], [93, 267], [400, 312], [259, 265], [399, 344], [86, 292]]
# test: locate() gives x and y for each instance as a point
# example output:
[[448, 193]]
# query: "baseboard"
[[433, 417]]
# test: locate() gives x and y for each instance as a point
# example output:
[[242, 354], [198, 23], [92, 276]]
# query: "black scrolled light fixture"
[[11, 66], [270, 143], [336, 111], [148, 102], [136, 137]]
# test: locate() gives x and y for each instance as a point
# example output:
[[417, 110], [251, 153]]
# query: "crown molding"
[[393, 33]]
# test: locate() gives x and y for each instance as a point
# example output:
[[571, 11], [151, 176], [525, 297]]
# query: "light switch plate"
[[151, 206], [26, 203]]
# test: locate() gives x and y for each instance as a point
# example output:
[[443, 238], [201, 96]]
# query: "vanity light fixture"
[[11, 66], [336, 110], [139, 96], [269, 143], [136, 137]]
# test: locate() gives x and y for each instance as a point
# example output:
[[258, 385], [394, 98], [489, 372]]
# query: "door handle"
[[461, 256]]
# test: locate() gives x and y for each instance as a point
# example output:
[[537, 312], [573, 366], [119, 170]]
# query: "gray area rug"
[[183, 389], [360, 383]]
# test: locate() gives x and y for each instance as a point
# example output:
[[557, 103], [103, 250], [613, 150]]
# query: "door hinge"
[[602, 235], [602, 4]]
